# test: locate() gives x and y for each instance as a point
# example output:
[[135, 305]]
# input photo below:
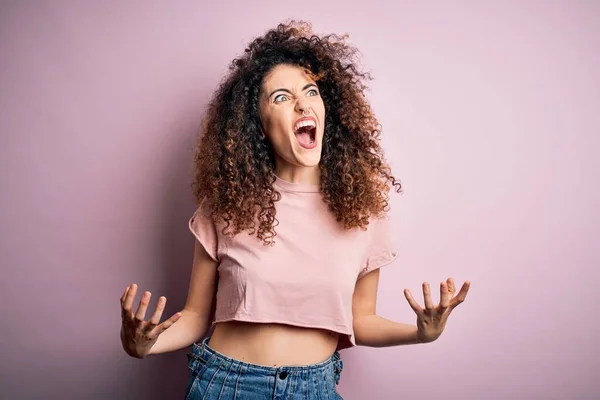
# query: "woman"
[[292, 193]]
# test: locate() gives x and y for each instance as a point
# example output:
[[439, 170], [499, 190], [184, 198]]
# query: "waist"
[[211, 371], [273, 345]]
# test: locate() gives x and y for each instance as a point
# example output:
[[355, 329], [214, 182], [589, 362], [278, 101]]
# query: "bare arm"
[[140, 337], [375, 331], [369, 328], [196, 315]]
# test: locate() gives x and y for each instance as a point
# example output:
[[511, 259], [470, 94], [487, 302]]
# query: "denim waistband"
[[335, 361]]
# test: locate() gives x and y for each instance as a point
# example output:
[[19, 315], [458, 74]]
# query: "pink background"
[[490, 114]]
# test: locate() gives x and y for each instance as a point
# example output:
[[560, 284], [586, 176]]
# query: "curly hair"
[[234, 161]]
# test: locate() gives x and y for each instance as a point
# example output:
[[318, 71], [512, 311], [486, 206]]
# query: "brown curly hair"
[[234, 161]]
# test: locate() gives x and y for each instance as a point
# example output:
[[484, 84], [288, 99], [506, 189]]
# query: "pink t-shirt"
[[307, 278]]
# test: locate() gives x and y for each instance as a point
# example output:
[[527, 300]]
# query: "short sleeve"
[[380, 246], [203, 227]]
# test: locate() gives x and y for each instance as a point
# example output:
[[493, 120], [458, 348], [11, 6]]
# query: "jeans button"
[[283, 375]]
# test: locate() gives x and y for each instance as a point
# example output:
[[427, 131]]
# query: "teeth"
[[303, 124]]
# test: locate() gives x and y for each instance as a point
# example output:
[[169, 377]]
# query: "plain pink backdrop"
[[490, 117]]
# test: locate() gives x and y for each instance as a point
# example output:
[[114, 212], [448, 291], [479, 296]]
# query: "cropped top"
[[307, 277]]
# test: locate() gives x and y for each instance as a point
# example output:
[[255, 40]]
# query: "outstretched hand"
[[431, 320], [137, 335]]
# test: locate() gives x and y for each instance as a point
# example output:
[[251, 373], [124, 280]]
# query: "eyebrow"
[[287, 91]]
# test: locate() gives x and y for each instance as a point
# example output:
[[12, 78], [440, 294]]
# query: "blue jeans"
[[218, 377]]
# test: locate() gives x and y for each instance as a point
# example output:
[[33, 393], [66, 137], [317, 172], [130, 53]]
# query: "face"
[[292, 114]]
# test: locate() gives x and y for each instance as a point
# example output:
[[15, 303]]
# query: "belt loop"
[[338, 366]]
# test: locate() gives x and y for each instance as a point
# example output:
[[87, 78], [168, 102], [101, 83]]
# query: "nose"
[[302, 107]]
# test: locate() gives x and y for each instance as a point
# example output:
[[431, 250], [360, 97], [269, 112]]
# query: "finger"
[[160, 307], [143, 306], [451, 287], [165, 325], [128, 303], [427, 297], [124, 295], [413, 303], [462, 295], [444, 296]]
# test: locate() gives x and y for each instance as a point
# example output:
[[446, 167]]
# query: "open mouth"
[[305, 130]]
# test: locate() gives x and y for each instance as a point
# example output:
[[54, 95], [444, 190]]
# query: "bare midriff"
[[273, 345]]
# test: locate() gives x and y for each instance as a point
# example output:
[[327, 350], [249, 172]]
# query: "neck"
[[298, 174]]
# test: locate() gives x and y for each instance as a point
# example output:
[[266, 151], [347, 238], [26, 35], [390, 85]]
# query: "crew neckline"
[[296, 187]]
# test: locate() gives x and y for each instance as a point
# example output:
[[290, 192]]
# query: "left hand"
[[431, 321]]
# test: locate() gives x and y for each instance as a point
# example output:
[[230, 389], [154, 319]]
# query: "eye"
[[280, 97], [312, 92]]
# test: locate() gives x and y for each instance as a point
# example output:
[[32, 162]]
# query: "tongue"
[[303, 137]]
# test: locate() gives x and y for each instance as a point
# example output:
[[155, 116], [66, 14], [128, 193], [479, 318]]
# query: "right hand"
[[138, 336]]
